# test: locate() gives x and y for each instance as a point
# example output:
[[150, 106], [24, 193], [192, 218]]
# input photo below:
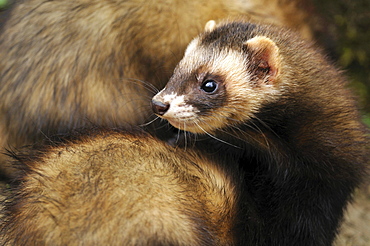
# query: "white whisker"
[[243, 135], [220, 140], [185, 140], [267, 126], [150, 122], [261, 132], [148, 86]]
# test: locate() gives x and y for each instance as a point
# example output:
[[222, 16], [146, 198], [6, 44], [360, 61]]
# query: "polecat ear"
[[265, 58], [210, 26]]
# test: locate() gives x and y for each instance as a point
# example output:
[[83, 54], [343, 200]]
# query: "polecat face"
[[222, 80]]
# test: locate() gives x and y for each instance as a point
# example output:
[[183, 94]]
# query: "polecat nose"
[[159, 108]]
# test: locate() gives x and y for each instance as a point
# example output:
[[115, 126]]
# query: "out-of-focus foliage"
[[3, 3], [348, 24]]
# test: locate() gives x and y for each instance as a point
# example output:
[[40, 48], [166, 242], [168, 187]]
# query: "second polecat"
[[107, 187], [71, 64], [276, 104]]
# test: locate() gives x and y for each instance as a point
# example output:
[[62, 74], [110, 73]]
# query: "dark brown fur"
[[273, 101], [122, 188], [68, 64]]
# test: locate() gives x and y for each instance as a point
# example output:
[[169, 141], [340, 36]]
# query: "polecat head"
[[225, 76]]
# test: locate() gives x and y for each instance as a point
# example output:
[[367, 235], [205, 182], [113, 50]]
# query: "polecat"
[[72, 64], [277, 105], [124, 188]]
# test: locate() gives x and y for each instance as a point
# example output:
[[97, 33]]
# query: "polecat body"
[[70, 64], [283, 111], [123, 188]]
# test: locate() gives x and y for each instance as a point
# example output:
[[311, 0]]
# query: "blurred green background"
[[346, 35], [348, 25], [3, 3]]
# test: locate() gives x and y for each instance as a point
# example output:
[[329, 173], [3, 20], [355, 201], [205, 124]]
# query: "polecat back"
[[277, 104], [123, 188]]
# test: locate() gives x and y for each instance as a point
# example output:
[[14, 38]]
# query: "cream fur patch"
[[192, 46], [178, 108], [169, 98]]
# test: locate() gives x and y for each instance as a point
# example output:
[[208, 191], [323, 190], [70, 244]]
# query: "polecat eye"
[[209, 86]]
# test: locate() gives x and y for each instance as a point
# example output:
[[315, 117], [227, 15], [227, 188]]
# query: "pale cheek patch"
[[243, 97], [231, 64]]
